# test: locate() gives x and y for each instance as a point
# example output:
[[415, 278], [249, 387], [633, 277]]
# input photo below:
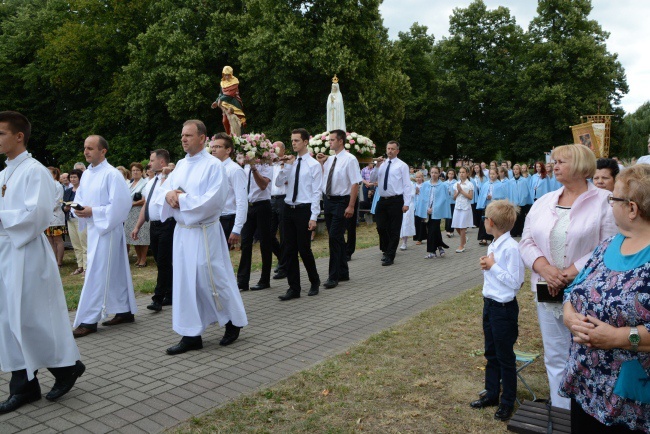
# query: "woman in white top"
[[57, 228], [142, 243], [462, 219]]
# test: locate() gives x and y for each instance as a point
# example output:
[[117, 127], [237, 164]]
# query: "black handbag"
[[137, 196]]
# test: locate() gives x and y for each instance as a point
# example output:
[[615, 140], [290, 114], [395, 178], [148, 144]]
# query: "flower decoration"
[[255, 148], [356, 144]]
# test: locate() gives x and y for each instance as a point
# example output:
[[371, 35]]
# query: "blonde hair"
[[583, 160], [635, 183], [503, 214]]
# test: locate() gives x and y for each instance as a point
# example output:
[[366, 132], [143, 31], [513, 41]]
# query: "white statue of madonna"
[[335, 111]]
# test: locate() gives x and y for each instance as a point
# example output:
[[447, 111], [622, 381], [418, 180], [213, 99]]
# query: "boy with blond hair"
[[503, 273]]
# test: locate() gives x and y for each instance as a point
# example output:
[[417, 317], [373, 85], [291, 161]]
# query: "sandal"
[[77, 271], [141, 265]]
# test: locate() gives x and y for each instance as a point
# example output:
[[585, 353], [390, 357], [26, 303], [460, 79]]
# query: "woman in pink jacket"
[[561, 231]]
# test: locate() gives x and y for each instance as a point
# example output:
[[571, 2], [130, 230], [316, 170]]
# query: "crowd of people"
[[584, 226]]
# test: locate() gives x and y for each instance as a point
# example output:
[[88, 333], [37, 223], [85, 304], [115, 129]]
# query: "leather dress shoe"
[[504, 412], [167, 302], [184, 346], [260, 286], [63, 386], [82, 331], [231, 335], [289, 295], [16, 401], [120, 319], [155, 306], [280, 275], [329, 284], [387, 262], [348, 258], [484, 401], [312, 292]]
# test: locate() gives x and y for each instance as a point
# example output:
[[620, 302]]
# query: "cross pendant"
[[4, 188]]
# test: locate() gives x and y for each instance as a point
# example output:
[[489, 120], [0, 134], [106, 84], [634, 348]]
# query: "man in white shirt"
[[161, 233], [258, 177], [34, 323], [646, 158], [205, 290], [278, 194], [394, 189], [106, 202], [340, 188], [235, 209], [303, 176]]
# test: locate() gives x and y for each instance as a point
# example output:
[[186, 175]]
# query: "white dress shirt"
[[277, 190], [346, 173], [154, 212], [237, 200], [643, 160], [399, 181], [256, 194], [504, 279], [309, 183], [462, 202]]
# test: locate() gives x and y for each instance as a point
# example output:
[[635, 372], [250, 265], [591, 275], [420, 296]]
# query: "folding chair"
[[526, 359]]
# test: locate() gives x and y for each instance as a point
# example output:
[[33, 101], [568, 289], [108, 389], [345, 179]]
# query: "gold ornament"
[[335, 79]]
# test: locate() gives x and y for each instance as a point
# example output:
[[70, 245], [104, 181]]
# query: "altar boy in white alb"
[[106, 202], [205, 289], [34, 324]]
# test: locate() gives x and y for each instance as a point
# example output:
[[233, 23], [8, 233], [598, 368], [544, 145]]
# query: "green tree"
[[635, 132]]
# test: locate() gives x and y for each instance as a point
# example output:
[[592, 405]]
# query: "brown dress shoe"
[[81, 331], [120, 319]]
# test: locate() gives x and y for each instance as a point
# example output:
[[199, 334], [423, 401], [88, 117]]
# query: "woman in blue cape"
[[435, 206]]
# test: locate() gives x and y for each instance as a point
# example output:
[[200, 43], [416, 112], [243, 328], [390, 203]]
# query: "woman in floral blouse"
[[607, 309]]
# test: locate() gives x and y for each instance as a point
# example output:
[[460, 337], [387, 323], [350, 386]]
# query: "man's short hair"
[[103, 144], [503, 214], [227, 140], [304, 134], [393, 142], [18, 123], [79, 164], [200, 126], [162, 153], [76, 172], [340, 134]]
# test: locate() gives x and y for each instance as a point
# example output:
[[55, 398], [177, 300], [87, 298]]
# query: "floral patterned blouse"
[[614, 288]]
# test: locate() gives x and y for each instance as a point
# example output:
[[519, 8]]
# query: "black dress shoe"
[[387, 262], [484, 401], [64, 385], [280, 275], [260, 286], [348, 258], [155, 306], [289, 295], [329, 284], [231, 334], [312, 292], [185, 345], [16, 401], [314, 286], [167, 302], [504, 412]]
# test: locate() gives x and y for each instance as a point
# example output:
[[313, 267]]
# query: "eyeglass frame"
[[611, 199]]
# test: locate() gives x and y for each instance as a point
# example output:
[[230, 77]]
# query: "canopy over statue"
[[335, 111], [230, 103]]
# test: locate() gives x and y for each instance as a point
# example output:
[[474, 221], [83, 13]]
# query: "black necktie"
[[295, 184], [386, 176], [328, 187], [248, 189], [146, 205]]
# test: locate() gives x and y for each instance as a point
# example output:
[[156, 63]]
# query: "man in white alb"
[[235, 209], [340, 187], [303, 176], [34, 324], [105, 201], [205, 290], [394, 189]]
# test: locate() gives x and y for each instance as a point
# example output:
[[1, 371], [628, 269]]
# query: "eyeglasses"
[[611, 199]]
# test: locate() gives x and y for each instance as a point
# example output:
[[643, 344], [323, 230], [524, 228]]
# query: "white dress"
[[134, 215], [408, 219], [34, 324], [463, 218]]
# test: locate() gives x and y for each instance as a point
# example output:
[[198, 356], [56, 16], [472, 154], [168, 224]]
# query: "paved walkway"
[[132, 386]]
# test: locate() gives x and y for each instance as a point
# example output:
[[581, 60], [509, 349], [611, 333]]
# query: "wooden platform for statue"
[[532, 417]]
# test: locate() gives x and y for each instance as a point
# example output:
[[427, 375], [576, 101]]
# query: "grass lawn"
[[144, 279], [416, 377]]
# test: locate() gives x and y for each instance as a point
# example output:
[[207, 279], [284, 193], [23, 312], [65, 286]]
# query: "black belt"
[[491, 302], [158, 222], [397, 196], [259, 202], [228, 217], [299, 205], [337, 198], [279, 196]]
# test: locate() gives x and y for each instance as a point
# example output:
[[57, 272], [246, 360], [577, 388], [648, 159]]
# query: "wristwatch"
[[634, 338]]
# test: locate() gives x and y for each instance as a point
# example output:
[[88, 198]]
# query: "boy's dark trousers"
[[501, 330]]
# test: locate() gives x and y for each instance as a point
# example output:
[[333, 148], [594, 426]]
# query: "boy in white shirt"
[[503, 273]]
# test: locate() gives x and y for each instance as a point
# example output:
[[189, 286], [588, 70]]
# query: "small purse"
[[137, 196]]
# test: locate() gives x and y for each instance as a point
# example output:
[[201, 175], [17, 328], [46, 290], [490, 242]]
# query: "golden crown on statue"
[[335, 79]]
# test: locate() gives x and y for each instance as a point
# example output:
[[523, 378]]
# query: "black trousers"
[[518, 228], [501, 329], [19, 384], [420, 229], [277, 223], [476, 215], [227, 223], [258, 219], [161, 243], [482, 235], [389, 217], [336, 227], [582, 422], [434, 236], [448, 227], [351, 242], [297, 240]]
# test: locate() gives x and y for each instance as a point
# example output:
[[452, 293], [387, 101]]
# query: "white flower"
[[356, 147], [250, 154], [347, 146], [254, 149], [332, 152], [354, 135], [310, 150], [277, 150]]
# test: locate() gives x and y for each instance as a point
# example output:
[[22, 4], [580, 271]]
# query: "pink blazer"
[[591, 222]]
